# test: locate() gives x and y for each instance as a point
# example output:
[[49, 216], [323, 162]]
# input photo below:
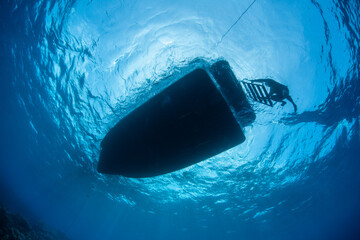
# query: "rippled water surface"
[[71, 69]]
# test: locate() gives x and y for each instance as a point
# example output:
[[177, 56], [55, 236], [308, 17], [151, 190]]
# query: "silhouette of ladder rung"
[[257, 92]]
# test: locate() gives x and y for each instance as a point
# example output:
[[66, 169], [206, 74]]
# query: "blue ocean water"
[[71, 69]]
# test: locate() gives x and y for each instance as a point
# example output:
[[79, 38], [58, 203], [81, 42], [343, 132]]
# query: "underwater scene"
[[73, 70]]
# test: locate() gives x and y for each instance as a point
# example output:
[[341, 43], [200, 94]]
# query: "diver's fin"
[[257, 92]]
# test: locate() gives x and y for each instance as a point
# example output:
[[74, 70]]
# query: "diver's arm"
[[292, 101]]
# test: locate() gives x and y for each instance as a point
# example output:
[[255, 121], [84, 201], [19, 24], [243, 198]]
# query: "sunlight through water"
[[72, 69]]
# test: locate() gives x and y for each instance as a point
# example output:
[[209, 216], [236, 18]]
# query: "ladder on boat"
[[257, 92]]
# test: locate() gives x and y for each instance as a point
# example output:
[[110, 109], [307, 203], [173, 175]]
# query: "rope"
[[223, 36]]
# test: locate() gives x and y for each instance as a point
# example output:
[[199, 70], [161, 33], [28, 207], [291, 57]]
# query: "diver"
[[278, 91]]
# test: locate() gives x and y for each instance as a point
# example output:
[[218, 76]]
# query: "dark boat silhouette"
[[198, 116]]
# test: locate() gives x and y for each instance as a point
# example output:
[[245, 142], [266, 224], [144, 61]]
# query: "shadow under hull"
[[190, 121]]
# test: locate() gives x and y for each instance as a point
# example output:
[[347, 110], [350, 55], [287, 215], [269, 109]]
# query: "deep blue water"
[[71, 69]]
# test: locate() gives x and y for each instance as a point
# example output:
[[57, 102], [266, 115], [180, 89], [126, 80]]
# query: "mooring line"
[[223, 36]]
